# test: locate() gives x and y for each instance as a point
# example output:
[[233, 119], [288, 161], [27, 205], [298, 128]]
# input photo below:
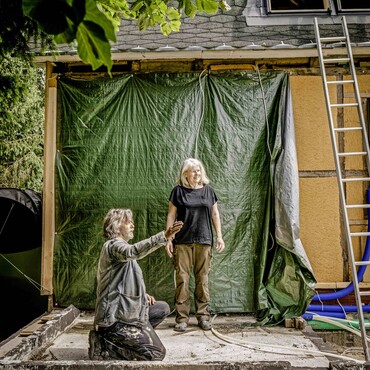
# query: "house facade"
[[255, 36]]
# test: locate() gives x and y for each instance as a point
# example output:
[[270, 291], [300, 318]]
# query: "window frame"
[[298, 11], [350, 10], [331, 7]]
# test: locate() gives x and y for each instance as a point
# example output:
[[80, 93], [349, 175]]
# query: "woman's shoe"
[[181, 326], [205, 325]]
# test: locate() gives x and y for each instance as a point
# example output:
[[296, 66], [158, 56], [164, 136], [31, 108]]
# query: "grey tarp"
[[120, 144], [20, 210]]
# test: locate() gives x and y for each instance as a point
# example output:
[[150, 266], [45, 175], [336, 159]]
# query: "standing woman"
[[194, 203]]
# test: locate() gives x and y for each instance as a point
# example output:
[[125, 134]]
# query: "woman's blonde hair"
[[113, 220], [187, 165]]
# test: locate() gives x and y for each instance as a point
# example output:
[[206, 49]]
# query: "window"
[[297, 6], [353, 5], [317, 6], [302, 12]]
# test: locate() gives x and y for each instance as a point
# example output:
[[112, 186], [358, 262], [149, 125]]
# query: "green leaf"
[[94, 15], [175, 25], [143, 22], [165, 29], [137, 5], [158, 18], [68, 35], [51, 16], [190, 9], [199, 5], [210, 6], [161, 6], [29, 5], [93, 46], [173, 14], [79, 10]]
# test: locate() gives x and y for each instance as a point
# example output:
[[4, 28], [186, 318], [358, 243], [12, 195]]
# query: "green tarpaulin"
[[120, 144]]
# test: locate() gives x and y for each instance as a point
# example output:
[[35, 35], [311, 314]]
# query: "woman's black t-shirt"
[[194, 208]]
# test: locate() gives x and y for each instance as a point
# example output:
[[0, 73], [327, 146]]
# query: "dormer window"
[[353, 6], [302, 12], [301, 6], [316, 6]]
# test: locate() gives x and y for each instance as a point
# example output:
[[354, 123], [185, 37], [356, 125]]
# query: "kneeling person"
[[125, 314]]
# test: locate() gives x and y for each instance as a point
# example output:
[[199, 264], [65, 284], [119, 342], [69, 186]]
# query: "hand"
[[169, 248], [220, 245], [150, 299], [173, 229]]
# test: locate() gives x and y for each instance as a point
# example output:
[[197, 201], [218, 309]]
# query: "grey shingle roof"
[[211, 31], [232, 29]]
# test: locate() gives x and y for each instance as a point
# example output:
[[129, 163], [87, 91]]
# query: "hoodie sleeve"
[[123, 251]]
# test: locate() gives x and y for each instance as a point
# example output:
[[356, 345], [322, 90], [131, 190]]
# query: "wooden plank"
[[48, 219], [30, 329], [339, 285], [48, 318], [233, 67]]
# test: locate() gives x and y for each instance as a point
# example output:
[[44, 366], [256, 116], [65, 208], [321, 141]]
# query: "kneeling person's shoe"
[[96, 351], [181, 326], [205, 325]]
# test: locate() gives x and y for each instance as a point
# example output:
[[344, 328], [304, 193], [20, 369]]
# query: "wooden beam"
[[48, 206], [268, 53]]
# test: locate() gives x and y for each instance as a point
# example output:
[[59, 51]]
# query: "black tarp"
[[20, 259], [20, 220]]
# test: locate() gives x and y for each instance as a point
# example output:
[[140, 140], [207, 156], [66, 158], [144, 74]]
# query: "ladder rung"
[[340, 82], [344, 105], [358, 206], [348, 128], [336, 60], [362, 233], [351, 153], [331, 39], [364, 293], [362, 263], [356, 179]]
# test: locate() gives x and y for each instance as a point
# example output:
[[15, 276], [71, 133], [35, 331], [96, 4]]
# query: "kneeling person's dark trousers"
[[128, 342]]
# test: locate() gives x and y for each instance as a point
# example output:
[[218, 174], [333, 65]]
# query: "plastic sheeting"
[[120, 144], [20, 259], [20, 220]]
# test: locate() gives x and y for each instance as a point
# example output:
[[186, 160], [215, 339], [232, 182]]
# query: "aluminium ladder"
[[360, 128]]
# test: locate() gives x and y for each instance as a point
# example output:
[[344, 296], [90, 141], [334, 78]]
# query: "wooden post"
[[48, 206]]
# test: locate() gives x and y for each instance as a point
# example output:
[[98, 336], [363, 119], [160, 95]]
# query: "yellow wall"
[[311, 124], [321, 231]]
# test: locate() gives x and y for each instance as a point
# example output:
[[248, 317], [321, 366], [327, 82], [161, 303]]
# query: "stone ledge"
[[32, 344], [120, 365]]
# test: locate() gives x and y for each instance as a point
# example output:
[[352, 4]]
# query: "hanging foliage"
[[21, 124], [18, 32], [92, 24]]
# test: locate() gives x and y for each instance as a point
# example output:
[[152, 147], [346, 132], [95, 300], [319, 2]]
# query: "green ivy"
[[21, 124]]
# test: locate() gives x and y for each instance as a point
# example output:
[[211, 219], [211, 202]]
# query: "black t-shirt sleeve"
[[174, 196], [214, 196]]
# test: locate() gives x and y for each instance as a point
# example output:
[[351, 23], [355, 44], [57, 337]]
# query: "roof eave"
[[212, 54]]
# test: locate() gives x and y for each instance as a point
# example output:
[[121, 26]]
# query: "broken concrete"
[[61, 342]]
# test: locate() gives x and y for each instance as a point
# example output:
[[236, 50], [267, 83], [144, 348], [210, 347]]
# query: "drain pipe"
[[310, 315], [336, 308]]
